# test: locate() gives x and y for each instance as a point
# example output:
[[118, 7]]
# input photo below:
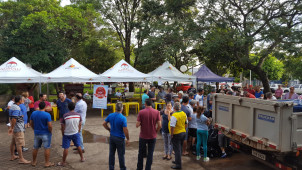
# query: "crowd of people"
[[23, 112], [183, 122]]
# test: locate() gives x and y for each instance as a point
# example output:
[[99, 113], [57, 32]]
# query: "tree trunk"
[[264, 79]]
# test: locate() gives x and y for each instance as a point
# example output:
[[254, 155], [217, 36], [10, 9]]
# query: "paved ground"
[[97, 150]]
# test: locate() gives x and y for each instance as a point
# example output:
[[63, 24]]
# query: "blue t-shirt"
[[144, 97], [63, 106], [117, 123], [40, 119], [258, 95], [202, 122], [24, 112]]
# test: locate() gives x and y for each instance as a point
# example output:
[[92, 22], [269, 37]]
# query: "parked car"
[[183, 87], [298, 88]]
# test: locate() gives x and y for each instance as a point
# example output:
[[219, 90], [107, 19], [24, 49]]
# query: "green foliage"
[[42, 32]]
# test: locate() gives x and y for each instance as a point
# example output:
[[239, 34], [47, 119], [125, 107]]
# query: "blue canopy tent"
[[204, 74]]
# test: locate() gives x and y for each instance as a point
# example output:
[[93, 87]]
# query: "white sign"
[[100, 94]]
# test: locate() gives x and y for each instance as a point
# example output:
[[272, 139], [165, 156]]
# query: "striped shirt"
[[71, 120]]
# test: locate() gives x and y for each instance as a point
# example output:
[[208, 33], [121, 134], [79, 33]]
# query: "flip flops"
[[50, 165]]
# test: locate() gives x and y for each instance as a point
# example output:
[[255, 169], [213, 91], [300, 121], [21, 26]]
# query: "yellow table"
[[1, 110], [55, 113], [115, 98], [113, 108], [158, 103], [126, 108], [136, 104]]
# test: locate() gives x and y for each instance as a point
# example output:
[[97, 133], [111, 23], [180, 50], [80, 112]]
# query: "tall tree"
[[260, 27], [41, 33]]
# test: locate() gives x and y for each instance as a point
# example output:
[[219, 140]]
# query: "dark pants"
[[117, 143], [177, 142], [7, 115], [142, 149]]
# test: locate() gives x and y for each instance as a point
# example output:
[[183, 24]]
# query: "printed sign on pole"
[[100, 93]]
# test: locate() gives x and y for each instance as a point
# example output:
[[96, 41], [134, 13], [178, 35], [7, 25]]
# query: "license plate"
[[259, 155]]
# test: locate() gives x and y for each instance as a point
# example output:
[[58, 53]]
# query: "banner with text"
[[100, 93]]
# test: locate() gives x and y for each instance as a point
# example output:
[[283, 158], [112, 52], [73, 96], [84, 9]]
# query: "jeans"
[[202, 136], [177, 142], [117, 143], [45, 139], [142, 148], [81, 136], [168, 145]]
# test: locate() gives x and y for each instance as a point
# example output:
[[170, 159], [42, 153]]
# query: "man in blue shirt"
[[62, 104], [144, 97], [40, 121], [118, 131]]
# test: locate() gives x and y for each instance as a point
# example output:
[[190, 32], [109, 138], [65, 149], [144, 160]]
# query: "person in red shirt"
[[249, 95], [251, 90], [149, 121], [42, 98]]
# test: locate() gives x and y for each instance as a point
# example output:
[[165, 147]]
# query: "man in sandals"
[[17, 131], [71, 127], [40, 121]]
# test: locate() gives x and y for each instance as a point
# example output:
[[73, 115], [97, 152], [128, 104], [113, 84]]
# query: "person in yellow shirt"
[[178, 126]]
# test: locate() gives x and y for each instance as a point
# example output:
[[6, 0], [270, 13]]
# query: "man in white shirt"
[[81, 108], [110, 90], [199, 97], [118, 94]]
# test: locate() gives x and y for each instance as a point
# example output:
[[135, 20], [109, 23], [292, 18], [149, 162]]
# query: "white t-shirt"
[[126, 89], [109, 90], [118, 94], [10, 103], [199, 98]]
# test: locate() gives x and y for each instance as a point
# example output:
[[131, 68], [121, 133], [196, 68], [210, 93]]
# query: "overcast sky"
[[65, 2]]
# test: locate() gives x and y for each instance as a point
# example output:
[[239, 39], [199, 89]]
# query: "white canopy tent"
[[71, 71], [124, 72], [167, 72], [15, 71]]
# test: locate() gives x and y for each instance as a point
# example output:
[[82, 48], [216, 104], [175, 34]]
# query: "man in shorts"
[[40, 121], [17, 131], [71, 126]]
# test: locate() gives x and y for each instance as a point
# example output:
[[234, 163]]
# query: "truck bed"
[[261, 124]]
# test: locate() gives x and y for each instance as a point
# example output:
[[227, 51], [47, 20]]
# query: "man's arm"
[[189, 118], [138, 124], [12, 125], [105, 124], [48, 109], [126, 132], [49, 127], [158, 126], [31, 124], [172, 131], [80, 126], [62, 128]]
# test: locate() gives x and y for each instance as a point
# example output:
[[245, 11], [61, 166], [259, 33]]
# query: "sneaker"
[[223, 155], [24, 149], [206, 159], [197, 158]]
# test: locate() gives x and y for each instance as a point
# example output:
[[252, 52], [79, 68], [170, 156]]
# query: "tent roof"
[[167, 72], [206, 75], [124, 72], [15, 71], [71, 71]]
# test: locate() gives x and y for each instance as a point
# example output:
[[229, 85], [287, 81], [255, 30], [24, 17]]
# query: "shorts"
[[44, 138], [187, 133], [222, 141], [192, 132], [18, 139], [74, 138]]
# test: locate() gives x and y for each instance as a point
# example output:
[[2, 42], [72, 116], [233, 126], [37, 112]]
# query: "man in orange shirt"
[[249, 95]]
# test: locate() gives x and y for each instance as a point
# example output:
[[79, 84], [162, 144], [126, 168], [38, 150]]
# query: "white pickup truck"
[[298, 88]]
